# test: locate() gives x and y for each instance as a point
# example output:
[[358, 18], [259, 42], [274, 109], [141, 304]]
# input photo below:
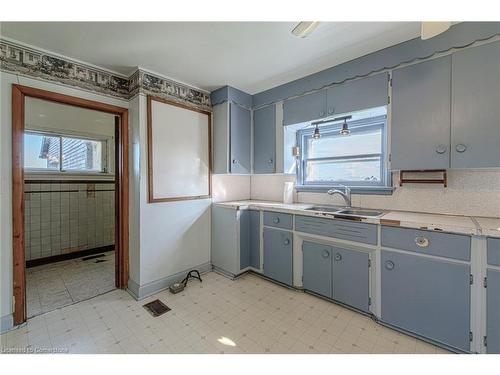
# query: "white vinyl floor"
[[246, 315]]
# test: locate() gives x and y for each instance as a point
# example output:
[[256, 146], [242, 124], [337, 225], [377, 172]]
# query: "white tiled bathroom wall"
[[67, 217]]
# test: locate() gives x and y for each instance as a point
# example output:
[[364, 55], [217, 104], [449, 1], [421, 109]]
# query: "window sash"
[[359, 126], [104, 152]]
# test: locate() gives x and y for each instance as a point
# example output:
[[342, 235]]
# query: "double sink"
[[347, 212]]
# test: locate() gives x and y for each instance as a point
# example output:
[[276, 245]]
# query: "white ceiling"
[[251, 56]]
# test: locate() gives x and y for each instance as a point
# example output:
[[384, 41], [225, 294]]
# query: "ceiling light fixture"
[[431, 29], [303, 29], [345, 128]]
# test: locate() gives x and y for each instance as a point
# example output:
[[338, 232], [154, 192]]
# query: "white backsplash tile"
[[269, 187], [227, 187], [471, 193]]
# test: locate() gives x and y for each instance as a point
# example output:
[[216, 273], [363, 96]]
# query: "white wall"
[[6, 81], [174, 236], [469, 192]]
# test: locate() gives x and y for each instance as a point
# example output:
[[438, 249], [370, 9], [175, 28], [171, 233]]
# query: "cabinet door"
[[358, 95], [240, 129], [493, 312], [304, 108], [264, 134], [278, 255], [428, 297], [224, 254], [475, 116], [421, 99], [244, 239], [255, 239], [317, 271], [351, 278]]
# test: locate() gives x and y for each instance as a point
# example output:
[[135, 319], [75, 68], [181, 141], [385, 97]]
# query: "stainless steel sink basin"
[[323, 208], [346, 211], [359, 212]]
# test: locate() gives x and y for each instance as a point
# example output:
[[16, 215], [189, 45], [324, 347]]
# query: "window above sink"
[[357, 160]]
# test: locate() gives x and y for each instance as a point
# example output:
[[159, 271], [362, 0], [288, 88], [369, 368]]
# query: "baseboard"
[[67, 256], [6, 323], [142, 291]]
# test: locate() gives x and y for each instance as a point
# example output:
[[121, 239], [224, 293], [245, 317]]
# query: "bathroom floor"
[[55, 285], [246, 315]]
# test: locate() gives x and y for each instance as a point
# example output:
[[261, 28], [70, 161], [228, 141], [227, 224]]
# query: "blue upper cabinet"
[[240, 135], [304, 108], [421, 97], [475, 114], [357, 95], [264, 146]]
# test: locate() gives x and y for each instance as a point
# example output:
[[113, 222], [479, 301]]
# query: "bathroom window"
[[59, 153], [356, 160]]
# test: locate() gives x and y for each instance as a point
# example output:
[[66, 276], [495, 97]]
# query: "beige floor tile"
[[246, 315]]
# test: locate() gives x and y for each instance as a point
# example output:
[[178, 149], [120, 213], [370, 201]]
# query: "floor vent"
[[156, 307]]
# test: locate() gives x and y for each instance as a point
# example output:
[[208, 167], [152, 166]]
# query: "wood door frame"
[[19, 93]]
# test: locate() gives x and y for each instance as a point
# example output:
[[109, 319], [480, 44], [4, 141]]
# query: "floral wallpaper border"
[[18, 59]]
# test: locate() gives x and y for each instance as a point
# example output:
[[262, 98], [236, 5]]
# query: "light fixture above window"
[[316, 134], [345, 128]]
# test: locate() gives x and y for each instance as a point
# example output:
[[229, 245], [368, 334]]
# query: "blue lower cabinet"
[[244, 239], [351, 272], [278, 254], [493, 312], [427, 297], [254, 258], [317, 271]]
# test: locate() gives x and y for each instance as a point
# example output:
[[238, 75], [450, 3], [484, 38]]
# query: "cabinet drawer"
[[454, 246], [278, 220], [494, 251], [343, 229]]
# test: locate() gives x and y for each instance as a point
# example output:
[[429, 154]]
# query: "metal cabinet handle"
[[421, 241], [330, 111], [460, 147], [338, 257], [326, 254], [270, 161], [276, 220], [441, 149], [234, 161], [322, 113], [286, 242], [389, 265]]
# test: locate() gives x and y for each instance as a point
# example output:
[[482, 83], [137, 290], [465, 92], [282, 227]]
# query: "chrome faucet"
[[346, 194]]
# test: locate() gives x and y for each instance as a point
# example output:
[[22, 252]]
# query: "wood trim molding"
[[151, 198], [122, 187], [18, 259]]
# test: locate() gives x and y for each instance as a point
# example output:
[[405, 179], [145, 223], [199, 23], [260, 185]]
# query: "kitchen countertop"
[[447, 223], [489, 226]]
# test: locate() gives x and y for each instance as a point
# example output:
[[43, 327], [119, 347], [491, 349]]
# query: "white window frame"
[[104, 154], [303, 135]]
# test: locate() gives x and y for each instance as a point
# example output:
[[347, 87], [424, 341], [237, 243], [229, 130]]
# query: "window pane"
[[366, 170], [82, 155], [356, 143], [41, 151]]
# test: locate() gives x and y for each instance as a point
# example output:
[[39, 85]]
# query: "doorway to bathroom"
[[70, 200]]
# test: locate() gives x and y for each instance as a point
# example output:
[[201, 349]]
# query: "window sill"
[[362, 190]]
